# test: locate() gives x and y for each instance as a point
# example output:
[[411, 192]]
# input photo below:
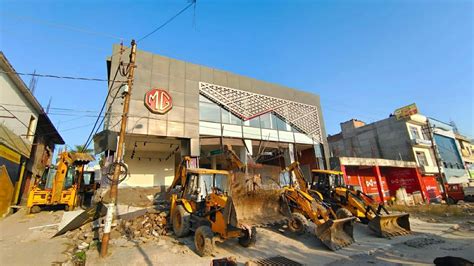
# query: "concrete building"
[[27, 135], [381, 178], [449, 150], [390, 138], [467, 153], [180, 108]]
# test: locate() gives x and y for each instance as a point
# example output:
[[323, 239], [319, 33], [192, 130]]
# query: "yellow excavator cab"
[[301, 205], [59, 184], [201, 203], [332, 186]]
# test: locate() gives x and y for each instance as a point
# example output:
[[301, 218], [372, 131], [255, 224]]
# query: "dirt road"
[[20, 245]]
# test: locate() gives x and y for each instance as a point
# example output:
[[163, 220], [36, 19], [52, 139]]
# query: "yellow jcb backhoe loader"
[[332, 186], [59, 184], [300, 206], [201, 202]]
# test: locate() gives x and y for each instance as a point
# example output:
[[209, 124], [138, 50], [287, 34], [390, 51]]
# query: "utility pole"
[[437, 159], [119, 155]]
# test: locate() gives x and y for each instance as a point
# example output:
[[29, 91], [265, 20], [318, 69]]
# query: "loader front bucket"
[[258, 209], [336, 234], [391, 225]]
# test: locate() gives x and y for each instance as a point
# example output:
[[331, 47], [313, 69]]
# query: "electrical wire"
[[193, 2], [87, 143], [168, 21], [55, 76]]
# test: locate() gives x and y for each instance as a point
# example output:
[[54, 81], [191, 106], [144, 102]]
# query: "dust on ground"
[[22, 234], [136, 196], [463, 211]]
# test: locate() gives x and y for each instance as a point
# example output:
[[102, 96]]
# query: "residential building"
[[179, 108], [391, 138], [467, 153], [27, 135], [381, 178], [449, 150]]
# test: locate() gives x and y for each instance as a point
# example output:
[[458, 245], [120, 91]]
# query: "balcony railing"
[[420, 142], [428, 169]]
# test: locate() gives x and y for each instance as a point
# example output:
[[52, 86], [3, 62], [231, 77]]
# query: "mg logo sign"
[[158, 101]]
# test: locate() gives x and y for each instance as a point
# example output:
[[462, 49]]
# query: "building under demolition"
[[179, 108]]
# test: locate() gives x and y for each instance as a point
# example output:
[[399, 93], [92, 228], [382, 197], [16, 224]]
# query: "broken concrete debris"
[[150, 225]]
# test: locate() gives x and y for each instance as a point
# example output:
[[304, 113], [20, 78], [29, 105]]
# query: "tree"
[[79, 148]]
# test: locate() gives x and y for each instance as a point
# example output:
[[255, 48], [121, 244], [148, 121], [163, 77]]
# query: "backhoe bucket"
[[391, 225], [336, 234], [258, 209]]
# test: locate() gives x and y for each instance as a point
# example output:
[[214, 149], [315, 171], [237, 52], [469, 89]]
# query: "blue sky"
[[364, 58]]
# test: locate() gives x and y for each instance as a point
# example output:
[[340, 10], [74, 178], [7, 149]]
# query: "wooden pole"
[[119, 155]]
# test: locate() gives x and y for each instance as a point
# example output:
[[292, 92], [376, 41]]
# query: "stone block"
[[159, 81], [176, 84], [207, 74], [191, 130], [175, 129], [193, 72], [161, 65], [176, 114], [191, 115], [220, 77], [177, 68], [157, 127], [178, 98]]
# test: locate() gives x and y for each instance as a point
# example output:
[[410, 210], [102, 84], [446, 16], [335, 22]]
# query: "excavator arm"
[[180, 174]]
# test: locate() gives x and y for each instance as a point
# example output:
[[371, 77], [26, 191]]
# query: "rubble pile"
[[145, 227]]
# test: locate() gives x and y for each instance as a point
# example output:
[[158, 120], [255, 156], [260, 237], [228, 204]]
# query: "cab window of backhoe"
[[285, 178], [222, 182], [71, 172], [48, 178], [87, 178], [191, 187], [339, 180], [206, 183]]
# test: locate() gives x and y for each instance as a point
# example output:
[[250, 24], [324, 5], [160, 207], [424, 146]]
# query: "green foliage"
[[80, 256], [78, 148]]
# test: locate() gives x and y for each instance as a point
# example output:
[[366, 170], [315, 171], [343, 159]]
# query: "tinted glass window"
[[282, 125], [254, 122], [209, 112], [229, 118], [267, 121]]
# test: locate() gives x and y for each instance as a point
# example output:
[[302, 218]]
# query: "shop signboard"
[[158, 101], [406, 111]]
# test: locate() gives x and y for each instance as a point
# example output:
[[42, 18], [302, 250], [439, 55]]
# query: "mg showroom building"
[[179, 108]]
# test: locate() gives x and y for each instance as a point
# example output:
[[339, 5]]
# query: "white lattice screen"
[[248, 105]]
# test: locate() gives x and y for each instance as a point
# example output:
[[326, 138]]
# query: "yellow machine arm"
[[180, 174]]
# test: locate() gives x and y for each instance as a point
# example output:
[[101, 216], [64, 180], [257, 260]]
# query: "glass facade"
[[216, 120]]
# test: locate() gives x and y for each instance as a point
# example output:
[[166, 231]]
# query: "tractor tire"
[[298, 223], [451, 201], [247, 239], [203, 241], [342, 213], [35, 209], [181, 221]]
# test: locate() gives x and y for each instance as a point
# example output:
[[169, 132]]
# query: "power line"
[[193, 2], [55, 76], [89, 138]]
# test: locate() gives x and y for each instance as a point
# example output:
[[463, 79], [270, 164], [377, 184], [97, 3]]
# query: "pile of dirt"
[[437, 212], [145, 227], [132, 196]]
